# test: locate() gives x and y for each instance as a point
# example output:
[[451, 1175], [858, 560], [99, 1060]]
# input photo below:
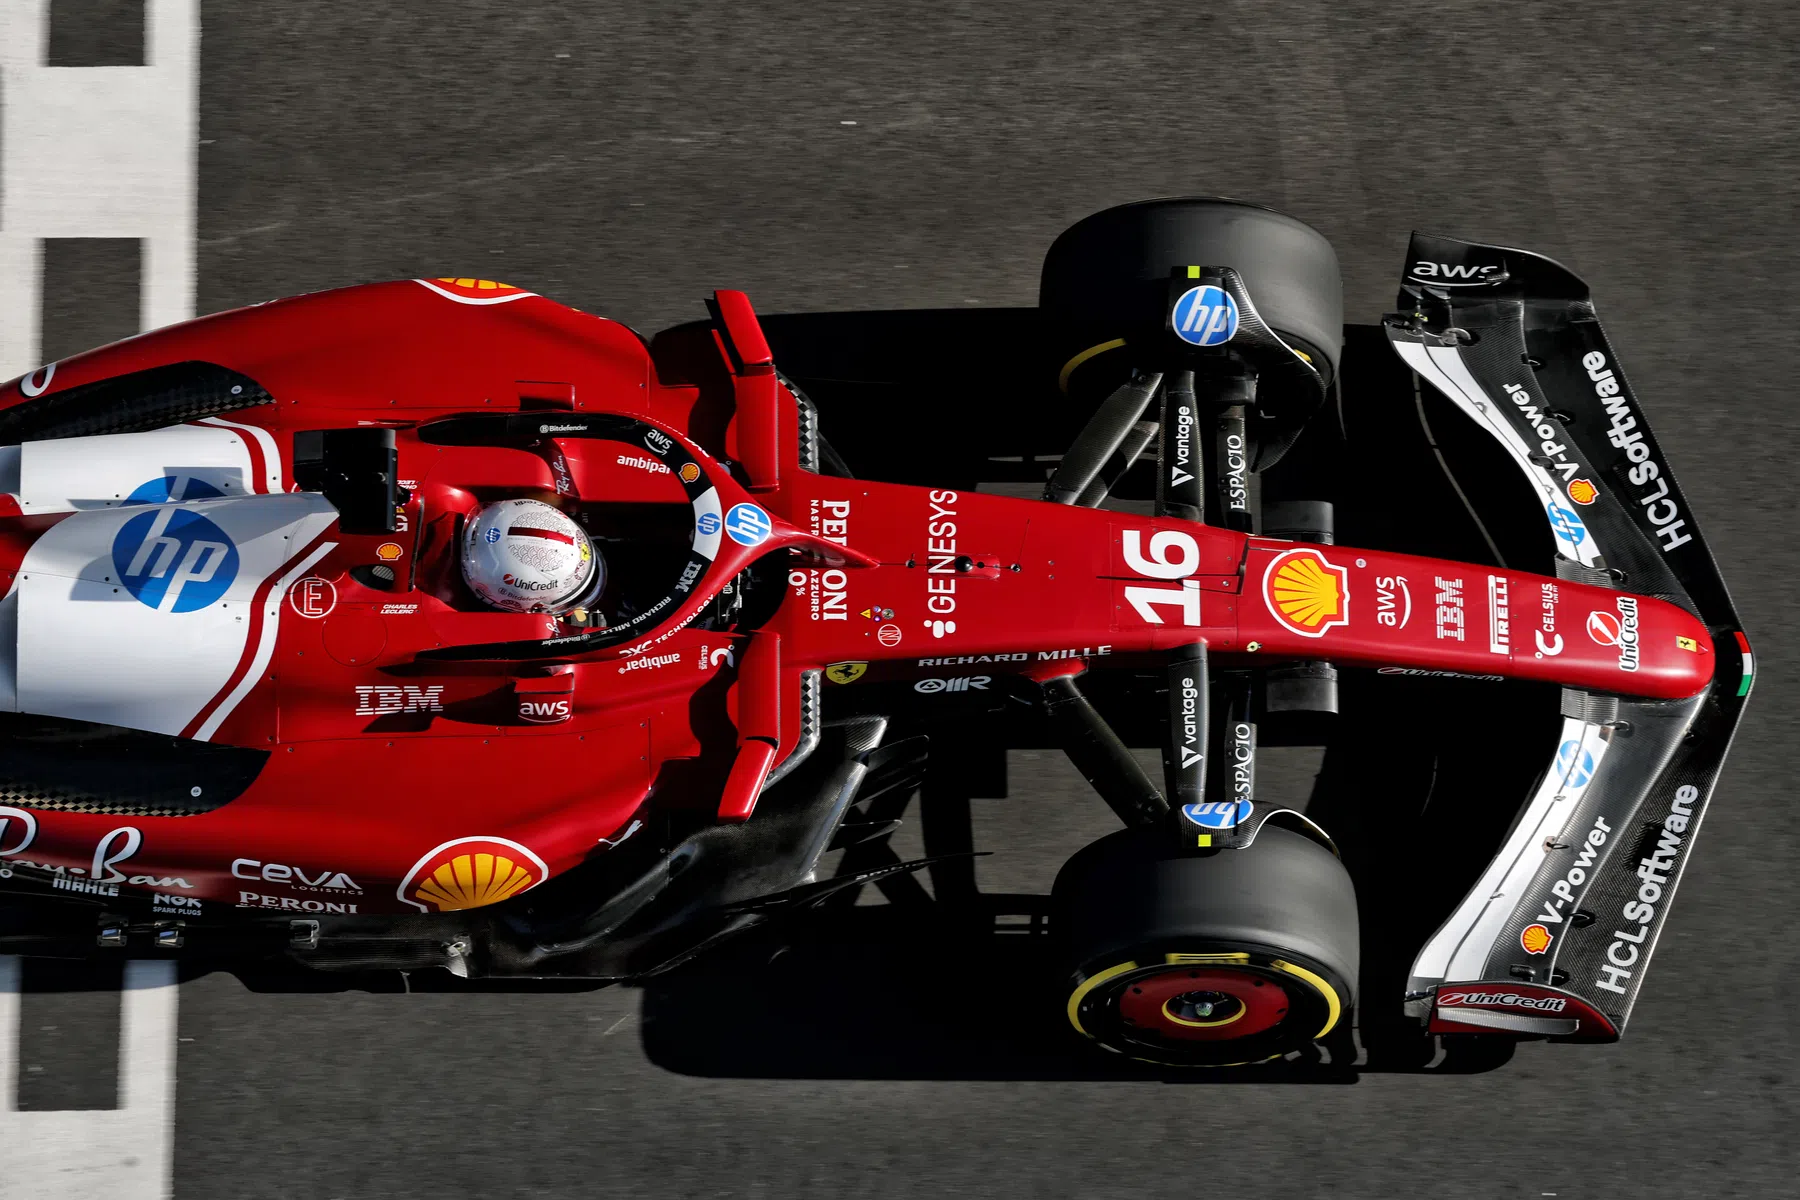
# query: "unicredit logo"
[[1501, 1000]]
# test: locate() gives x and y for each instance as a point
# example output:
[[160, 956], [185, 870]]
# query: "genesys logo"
[[294, 877], [1497, 999]]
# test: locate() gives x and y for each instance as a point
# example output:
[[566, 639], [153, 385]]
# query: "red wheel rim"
[[1198, 1005]]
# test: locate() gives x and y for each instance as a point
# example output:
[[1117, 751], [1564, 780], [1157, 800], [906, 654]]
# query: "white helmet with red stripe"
[[525, 556]]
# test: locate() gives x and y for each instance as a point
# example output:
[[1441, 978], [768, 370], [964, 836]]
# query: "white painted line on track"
[[123, 1154], [97, 152]]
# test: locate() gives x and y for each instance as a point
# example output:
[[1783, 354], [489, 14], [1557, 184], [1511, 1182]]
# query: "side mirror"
[[355, 469]]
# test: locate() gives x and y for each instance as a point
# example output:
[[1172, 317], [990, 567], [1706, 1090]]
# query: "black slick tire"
[[1108, 274], [1206, 958]]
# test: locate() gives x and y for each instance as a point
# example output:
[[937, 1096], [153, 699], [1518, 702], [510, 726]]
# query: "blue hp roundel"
[[1206, 316], [1566, 524], [166, 488], [174, 559], [708, 523], [1218, 814], [747, 524], [1576, 764]]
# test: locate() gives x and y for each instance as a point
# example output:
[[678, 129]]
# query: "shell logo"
[[1583, 491], [471, 872], [1534, 939], [465, 290], [1306, 593]]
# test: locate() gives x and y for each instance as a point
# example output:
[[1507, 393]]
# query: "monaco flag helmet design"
[[525, 556]]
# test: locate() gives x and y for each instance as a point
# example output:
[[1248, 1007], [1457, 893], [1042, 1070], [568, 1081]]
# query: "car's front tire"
[[1206, 958]]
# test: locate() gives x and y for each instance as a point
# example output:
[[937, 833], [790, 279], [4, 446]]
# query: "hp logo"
[[166, 489], [1565, 524], [174, 559], [747, 524], [1576, 764], [1205, 316], [1218, 814]]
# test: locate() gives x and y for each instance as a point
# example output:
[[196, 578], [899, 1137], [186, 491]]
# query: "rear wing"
[[1555, 937]]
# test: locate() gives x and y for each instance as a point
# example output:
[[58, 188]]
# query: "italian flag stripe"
[[1749, 669]]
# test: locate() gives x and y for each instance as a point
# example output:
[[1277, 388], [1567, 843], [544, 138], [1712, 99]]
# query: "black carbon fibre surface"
[[128, 403], [55, 765]]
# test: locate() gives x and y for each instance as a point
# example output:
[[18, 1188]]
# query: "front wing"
[[1555, 937]]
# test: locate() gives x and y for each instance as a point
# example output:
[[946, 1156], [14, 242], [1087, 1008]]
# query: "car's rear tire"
[[1206, 959], [1109, 273]]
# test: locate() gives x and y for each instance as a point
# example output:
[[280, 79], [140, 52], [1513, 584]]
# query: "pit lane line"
[[97, 152], [123, 1154]]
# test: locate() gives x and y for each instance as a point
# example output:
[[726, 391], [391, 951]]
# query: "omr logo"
[[174, 559]]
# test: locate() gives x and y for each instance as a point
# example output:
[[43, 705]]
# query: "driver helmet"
[[527, 556]]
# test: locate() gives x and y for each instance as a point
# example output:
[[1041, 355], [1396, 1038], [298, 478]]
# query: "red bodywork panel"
[[397, 784]]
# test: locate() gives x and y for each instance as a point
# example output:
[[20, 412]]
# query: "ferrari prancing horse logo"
[[846, 672]]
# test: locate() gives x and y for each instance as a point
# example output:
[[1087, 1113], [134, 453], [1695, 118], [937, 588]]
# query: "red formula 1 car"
[[435, 624]]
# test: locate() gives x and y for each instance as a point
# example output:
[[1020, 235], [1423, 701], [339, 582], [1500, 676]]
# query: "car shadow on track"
[[912, 992]]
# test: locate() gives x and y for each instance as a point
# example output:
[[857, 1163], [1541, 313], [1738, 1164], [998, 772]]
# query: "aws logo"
[[544, 712], [1457, 274], [1306, 593]]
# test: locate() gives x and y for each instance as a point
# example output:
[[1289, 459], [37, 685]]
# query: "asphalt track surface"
[[627, 160]]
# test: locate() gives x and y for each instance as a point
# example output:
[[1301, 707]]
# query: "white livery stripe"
[[1460, 948], [1443, 368], [270, 479], [265, 645]]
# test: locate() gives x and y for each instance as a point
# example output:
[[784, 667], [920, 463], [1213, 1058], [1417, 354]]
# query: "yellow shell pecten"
[[1305, 592], [473, 880]]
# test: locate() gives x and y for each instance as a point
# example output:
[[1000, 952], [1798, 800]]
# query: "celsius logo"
[[1205, 316], [172, 488], [174, 559], [1576, 764]]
